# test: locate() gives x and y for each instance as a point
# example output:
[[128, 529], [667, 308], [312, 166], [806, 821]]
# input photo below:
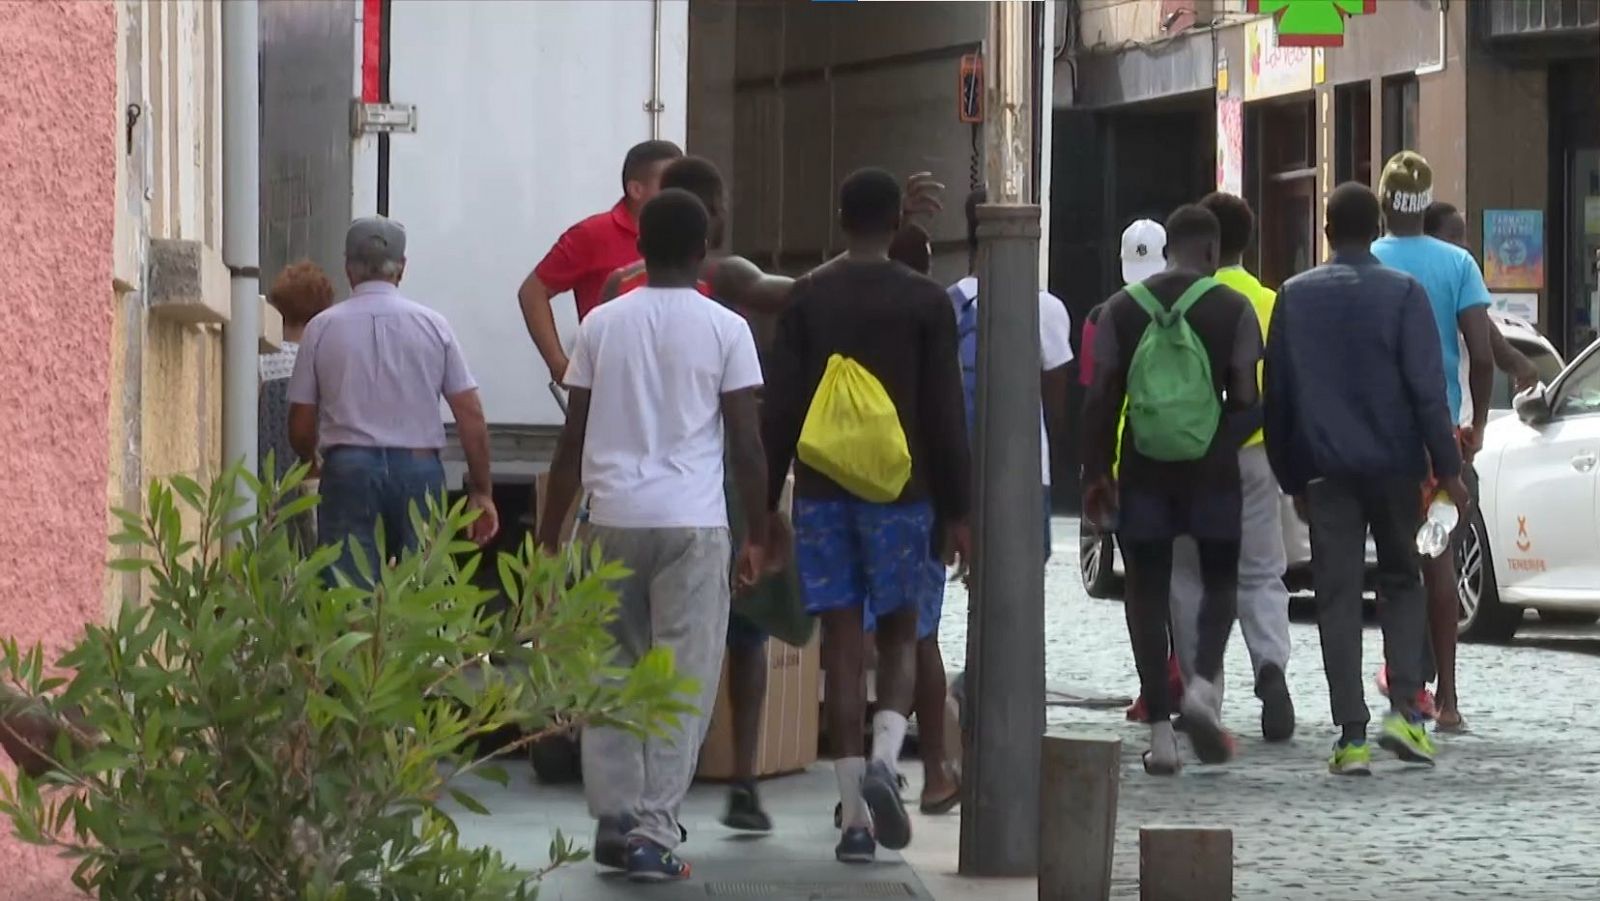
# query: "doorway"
[[1280, 166]]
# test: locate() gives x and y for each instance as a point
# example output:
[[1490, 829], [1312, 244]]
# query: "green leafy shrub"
[[251, 733]]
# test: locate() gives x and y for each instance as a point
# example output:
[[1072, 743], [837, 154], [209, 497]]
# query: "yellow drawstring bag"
[[852, 434]]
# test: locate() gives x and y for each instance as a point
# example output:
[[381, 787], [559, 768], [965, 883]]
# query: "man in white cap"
[[941, 792], [1144, 250], [365, 396], [1144, 253]]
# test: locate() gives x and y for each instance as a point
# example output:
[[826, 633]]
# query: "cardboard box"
[[789, 716]]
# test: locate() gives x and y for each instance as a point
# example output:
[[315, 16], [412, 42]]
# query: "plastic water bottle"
[[1443, 517]]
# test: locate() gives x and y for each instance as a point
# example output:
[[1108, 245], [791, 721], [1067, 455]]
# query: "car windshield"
[[1548, 364], [1580, 393]]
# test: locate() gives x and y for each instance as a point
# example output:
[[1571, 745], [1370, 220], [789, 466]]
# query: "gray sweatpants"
[[1263, 599], [677, 597]]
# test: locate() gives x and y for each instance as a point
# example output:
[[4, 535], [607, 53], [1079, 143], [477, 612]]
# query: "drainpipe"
[[1435, 68], [654, 106], [241, 195]]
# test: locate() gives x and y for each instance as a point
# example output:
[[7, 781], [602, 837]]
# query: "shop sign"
[[1513, 249], [1272, 69], [1312, 23], [1230, 145]]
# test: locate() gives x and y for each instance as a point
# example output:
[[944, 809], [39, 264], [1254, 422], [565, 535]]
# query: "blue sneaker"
[[881, 791], [649, 862], [856, 846]]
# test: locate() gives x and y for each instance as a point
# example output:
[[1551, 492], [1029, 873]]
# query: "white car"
[[1101, 567], [1534, 541]]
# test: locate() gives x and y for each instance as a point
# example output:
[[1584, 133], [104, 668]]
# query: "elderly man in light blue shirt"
[[365, 394]]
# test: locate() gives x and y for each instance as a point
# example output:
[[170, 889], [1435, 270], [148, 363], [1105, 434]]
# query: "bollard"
[[1078, 779], [1185, 863]]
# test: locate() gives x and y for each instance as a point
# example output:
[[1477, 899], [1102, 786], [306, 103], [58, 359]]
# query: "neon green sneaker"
[[1407, 740], [1353, 759]]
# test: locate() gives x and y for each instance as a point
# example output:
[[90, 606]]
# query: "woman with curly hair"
[[301, 291]]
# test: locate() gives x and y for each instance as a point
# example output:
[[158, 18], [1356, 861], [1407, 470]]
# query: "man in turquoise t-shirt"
[[1448, 273], [1460, 303]]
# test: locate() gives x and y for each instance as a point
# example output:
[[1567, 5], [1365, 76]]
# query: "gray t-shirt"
[[375, 366]]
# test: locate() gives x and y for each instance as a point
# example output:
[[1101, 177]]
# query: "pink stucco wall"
[[58, 157]]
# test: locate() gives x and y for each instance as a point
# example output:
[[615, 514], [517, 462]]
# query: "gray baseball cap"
[[375, 239]]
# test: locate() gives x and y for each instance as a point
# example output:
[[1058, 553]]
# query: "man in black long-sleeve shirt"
[[1355, 416], [856, 558], [1160, 500]]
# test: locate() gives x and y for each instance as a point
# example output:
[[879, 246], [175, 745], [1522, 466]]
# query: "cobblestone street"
[[1508, 813]]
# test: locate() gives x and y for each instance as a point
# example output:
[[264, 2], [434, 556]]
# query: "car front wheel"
[[1097, 555], [1480, 614]]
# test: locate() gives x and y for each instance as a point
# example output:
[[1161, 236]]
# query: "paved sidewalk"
[[795, 863], [1510, 812]]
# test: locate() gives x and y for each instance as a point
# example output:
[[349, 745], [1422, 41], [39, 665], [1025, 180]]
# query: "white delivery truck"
[[487, 129]]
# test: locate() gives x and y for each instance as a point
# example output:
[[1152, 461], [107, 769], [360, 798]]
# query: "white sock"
[[849, 771], [888, 736]]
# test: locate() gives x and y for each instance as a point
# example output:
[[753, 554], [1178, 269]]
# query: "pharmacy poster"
[[1230, 145], [1513, 249], [1519, 306], [1270, 68]]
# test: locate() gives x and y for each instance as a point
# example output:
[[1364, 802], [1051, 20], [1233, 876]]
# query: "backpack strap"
[[1146, 301], [1163, 315], [1196, 291]]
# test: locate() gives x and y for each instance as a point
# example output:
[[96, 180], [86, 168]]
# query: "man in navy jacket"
[[1356, 419]]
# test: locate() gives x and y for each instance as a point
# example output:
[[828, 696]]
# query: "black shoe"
[[744, 810], [1277, 708], [611, 842], [890, 822], [856, 846]]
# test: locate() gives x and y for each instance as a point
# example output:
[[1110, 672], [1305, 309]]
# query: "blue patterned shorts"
[[875, 557]]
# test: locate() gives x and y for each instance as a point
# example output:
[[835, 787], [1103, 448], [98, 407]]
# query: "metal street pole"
[[1005, 631], [241, 194]]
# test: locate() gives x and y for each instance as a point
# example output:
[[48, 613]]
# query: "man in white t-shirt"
[[664, 383], [1055, 352]]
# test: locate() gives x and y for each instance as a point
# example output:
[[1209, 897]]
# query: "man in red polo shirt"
[[591, 250]]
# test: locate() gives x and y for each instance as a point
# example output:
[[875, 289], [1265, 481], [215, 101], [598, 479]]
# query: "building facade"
[[115, 301], [1160, 101], [58, 136]]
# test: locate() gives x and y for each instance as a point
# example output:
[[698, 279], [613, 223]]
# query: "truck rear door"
[[524, 112]]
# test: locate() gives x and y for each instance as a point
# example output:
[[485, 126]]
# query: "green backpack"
[[1172, 403]]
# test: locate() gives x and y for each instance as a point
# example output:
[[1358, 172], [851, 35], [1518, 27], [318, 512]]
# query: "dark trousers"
[[1147, 606], [365, 487], [1342, 511], [1151, 517]]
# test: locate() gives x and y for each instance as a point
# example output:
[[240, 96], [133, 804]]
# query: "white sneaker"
[[1163, 758], [1202, 705]]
